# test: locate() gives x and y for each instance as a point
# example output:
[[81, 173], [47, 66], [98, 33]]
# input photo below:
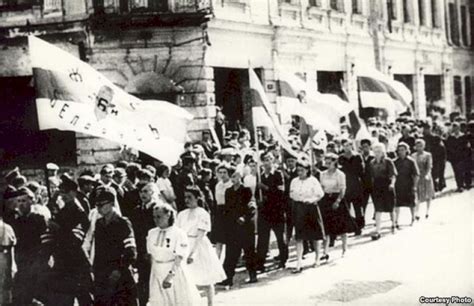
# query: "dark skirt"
[[218, 231], [405, 197], [307, 221], [383, 198], [336, 221]]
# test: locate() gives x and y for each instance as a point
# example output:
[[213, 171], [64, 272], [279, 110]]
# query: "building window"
[[315, 3], [457, 86], [392, 9], [434, 14], [406, 11], [337, 5], [356, 7], [464, 25], [18, 4], [453, 23], [421, 12], [467, 86]]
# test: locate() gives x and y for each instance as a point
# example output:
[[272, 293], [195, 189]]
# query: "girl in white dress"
[[170, 282], [203, 263]]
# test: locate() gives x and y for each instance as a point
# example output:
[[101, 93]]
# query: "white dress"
[[206, 269], [164, 245]]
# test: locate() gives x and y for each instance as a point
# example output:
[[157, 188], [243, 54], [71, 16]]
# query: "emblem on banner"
[[103, 103]]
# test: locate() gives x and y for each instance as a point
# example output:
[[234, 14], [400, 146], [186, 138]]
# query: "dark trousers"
[[143, 286], [289, 220], [264, 228], [462, 173], [359, 208], [120, 293], [243, 240], [437, 173]]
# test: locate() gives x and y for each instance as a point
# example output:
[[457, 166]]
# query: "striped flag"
[[72, 96], [321, 111], [380, 91], [263, 114]]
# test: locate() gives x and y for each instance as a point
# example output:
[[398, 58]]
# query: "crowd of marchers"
[[143, 233]]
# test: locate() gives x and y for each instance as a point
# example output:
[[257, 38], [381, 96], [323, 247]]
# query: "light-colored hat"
[[52, 166]]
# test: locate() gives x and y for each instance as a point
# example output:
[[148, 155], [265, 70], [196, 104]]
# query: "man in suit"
[[240, 229]]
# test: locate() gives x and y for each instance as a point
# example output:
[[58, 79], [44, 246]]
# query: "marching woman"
[[382, 173], [170, 282], [336, 216], [203, 263], [425, 186], [305, 192], [406, 182]]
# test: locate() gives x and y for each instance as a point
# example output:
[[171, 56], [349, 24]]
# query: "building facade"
[[196, 53]]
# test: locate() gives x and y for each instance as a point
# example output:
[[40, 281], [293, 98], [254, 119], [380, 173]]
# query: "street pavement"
[[432, 258]]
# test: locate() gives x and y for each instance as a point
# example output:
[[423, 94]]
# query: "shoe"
[[459, 190], [325, 257], [225, 283], [426, 216], [397, 226], [252, 280], [331, 243], [281, 265], [376, 236], [417, 218], [297, 270], [358, 232], [393, 229]]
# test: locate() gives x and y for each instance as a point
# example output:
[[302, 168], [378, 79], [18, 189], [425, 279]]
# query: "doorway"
[[231, 90]]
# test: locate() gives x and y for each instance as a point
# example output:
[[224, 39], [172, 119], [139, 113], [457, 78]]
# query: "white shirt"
[[221, 187], [250, 181], [307, 190], [333, 182]]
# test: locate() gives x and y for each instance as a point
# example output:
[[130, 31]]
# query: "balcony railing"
[[151, 6], [18, 5]]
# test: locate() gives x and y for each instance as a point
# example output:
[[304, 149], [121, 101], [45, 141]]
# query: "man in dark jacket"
[[115, 251], [142, 221], [70, 275], [459, 155], [353, 167], [271, 214], [30, 260], [240, 229]]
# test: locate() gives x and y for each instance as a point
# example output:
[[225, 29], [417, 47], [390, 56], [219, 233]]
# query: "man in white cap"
[[53, 179]]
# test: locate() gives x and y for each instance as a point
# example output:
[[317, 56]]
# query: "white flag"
[[72, 96]]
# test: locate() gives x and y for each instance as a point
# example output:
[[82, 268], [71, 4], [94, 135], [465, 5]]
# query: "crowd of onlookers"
[[139, 233]]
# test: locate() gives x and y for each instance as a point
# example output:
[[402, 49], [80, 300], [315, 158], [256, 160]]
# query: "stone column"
[[447, 89], [350, 80], [419, 95]]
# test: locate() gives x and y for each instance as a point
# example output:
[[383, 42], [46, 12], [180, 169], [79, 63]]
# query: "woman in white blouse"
[[170, 283], [203, 264], [164, 185], [305, 192], [336, 216]]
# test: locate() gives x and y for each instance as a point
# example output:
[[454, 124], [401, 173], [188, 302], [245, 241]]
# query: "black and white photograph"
[[236, 152]]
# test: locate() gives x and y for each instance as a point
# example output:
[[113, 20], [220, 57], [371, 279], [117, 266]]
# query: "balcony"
[[143, 13]]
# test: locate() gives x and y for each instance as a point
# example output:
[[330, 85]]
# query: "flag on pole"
[[263, 115], [72, 96], [323, 112], [380, 91]]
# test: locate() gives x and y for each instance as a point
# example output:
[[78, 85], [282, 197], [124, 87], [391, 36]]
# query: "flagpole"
[[258, 196]]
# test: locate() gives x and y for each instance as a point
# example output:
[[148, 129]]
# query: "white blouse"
[[191, 220], [307, 190], [165, 244], [333, 182]]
